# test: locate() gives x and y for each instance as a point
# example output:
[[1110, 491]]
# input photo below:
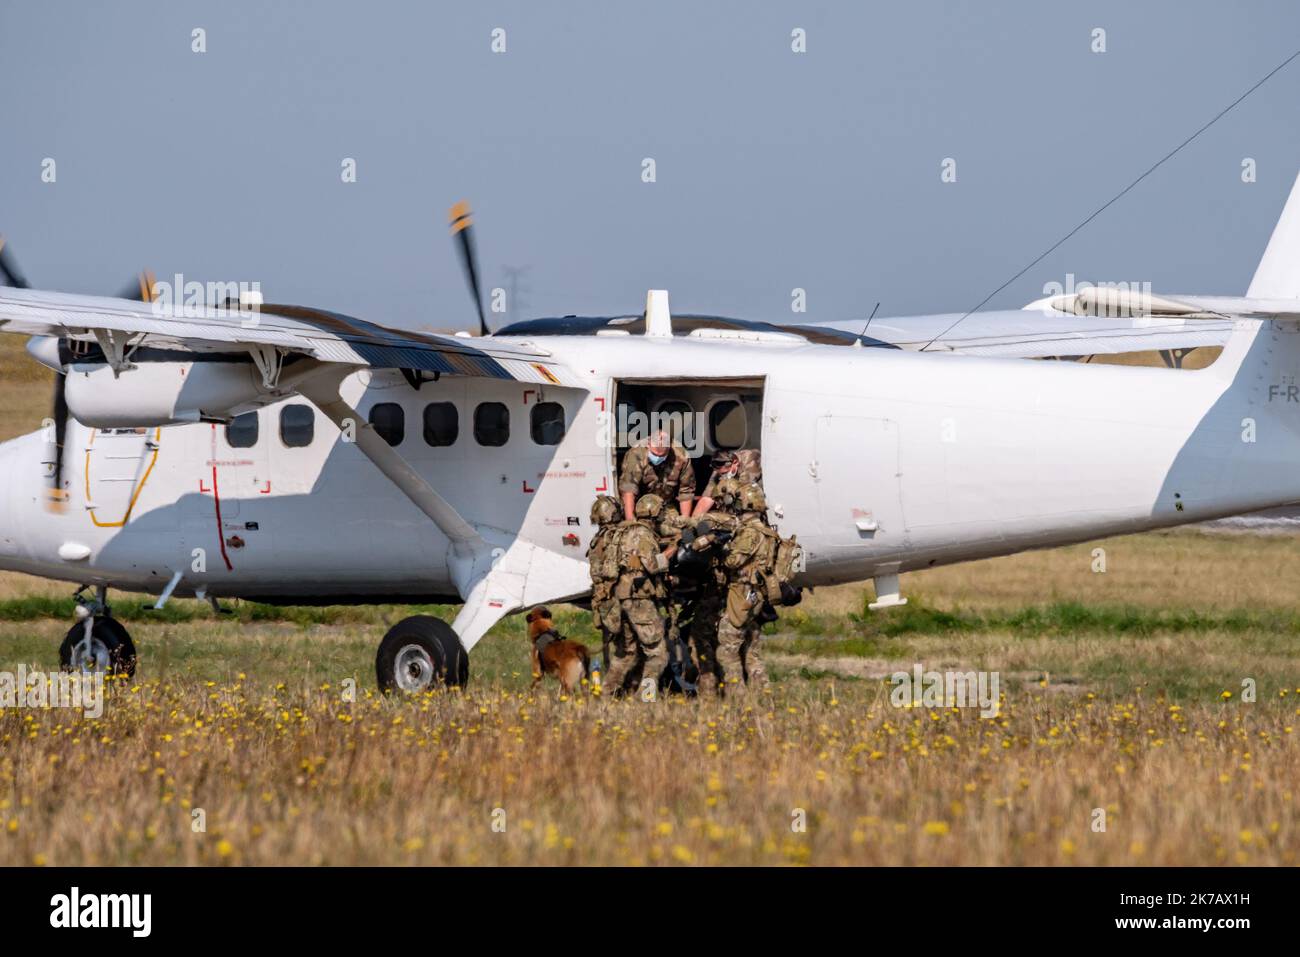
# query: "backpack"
[[780, 571], [604, 557]]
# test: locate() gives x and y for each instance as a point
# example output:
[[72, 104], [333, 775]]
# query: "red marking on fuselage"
[[221, 538], [216, 501]]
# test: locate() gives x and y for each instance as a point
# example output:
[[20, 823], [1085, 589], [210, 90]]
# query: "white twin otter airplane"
[[290, 454]]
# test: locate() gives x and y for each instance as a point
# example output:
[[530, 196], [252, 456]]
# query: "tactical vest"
[[635, 579], [772, 566]]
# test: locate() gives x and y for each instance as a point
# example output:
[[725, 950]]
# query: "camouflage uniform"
[[708, 608], [749, 557], [749, 471], [672, 480], [668, 530], [755, 670], [601, 559], [642, 597]]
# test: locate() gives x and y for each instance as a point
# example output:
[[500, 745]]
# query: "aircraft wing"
[[322, 335], [1038, 333]]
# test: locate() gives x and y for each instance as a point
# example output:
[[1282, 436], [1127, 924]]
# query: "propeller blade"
[[13, 277], [58, 496], [9, 268], [461, 221], [142, 288]]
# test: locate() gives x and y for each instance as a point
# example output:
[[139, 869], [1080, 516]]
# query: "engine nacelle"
[[161, 393]]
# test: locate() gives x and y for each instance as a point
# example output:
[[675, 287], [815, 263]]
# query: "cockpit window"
[[241, 431]]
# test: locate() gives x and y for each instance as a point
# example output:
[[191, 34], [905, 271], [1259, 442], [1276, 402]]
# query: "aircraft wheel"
[[419, 653], [109, 649]]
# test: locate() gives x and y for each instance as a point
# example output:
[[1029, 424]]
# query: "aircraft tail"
[[1278, 273]]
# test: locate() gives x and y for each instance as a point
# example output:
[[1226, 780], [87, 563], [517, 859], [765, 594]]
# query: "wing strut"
[[490, 580]]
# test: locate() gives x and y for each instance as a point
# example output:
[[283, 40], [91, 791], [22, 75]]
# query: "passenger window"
[[241, 431], [297, 425], [389, 420], [441, 423], [491, 423], [547, 424], [727, 427]]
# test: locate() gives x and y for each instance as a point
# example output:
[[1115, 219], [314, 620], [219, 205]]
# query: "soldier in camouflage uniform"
[[669, 526], [709, 605], [603, 563], [642, 596], [730, 470], [657, 468], [750, 556]]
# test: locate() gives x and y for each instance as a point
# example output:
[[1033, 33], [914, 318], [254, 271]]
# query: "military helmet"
[[750, 498], [649, 506], [726, 491], [604, 510]]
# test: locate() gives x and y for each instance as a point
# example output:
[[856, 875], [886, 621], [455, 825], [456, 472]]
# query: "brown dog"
[[553, 654]]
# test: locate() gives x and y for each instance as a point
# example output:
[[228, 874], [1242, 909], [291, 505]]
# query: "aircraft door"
[[117, 465], [856, 472]]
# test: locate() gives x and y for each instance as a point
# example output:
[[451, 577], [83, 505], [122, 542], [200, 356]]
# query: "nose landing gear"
[[97, 642]]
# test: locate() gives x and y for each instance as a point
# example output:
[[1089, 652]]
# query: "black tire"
[[419, 653], [109, 633]]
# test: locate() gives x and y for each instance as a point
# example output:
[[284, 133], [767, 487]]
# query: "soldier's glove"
[[790, 595]]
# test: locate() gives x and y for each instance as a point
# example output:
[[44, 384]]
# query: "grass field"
[[1123, 700], [1123, 692]]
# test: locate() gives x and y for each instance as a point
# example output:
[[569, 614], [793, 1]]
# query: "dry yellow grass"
[[489, 776]]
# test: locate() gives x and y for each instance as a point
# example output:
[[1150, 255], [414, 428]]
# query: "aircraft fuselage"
[[878, 460]]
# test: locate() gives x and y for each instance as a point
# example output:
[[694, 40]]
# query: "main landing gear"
[[97, 642], [419, 653]]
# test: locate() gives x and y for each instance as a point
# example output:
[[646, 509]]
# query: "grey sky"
[[775, 169]]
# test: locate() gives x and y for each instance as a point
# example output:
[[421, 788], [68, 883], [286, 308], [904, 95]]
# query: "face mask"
[[657, 459]]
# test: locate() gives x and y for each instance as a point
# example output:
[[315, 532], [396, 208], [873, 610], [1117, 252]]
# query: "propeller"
[[461, 221], [10, 268], [143, 290], [57, 496]]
